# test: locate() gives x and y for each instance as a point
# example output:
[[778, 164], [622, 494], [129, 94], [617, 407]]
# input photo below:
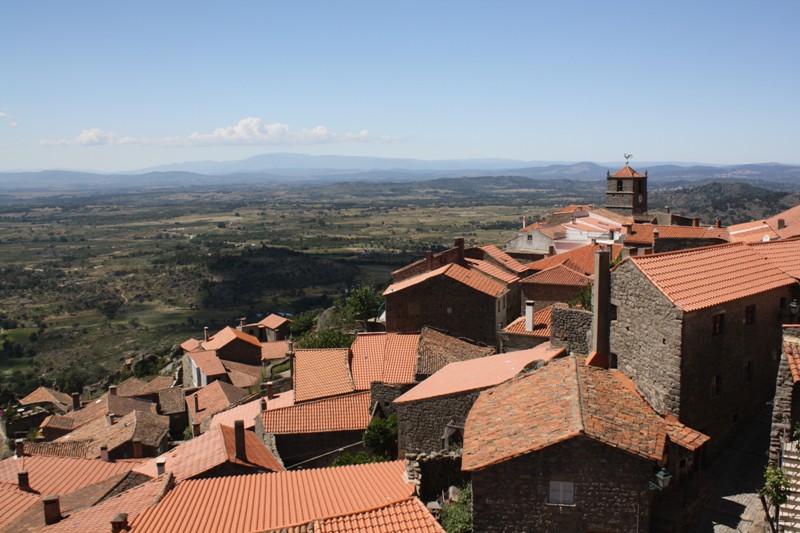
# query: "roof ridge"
[[580, 407], [637, 258], [370, 509]]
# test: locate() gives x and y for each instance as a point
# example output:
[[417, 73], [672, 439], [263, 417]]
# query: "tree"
[[363, 304], [381, 436], [457, 515], [360, 458], [325, 338], [776, 490]]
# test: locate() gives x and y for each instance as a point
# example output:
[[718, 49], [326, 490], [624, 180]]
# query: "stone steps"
[[790, 511]]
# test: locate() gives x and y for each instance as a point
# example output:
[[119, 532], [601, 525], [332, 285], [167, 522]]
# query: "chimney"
[[666, 208], [238, 434], [551, 251], [22, 481], [196, 403], [137, 449], [196, 429], [718, 224], [263, 404], [119, 523], [601, 310], [781, 223], [52, 509], [459, 244], [696, 222], [111, 418], [290, 355], [19, 447], [112, 390], [270, 390], [242, 320], [656, 233], [628, 229], [104, 454], [161, 466], [76, 401], [429, 259], [528, 315], [205, 333], [524, 222]]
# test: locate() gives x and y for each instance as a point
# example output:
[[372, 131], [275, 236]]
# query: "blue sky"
[[125, 85]]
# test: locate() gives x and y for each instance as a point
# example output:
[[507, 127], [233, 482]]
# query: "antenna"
[[627, 156]]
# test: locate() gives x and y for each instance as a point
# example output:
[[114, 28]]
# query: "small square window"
[[530, 237], [718, 324], [716, 385], [562, 493], [750, 314]]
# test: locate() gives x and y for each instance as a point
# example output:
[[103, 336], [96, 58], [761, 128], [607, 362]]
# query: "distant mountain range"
[[289, 170]]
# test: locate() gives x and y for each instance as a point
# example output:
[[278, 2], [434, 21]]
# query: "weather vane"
[[627, 156]]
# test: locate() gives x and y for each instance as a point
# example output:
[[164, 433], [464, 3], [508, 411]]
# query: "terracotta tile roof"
[[208, 362], [157, 384], [383, 357], [703, 277], [791, 351], [211, 449], [560, 275], [212, 399], [120, 405], [14, 502], [493, 271], [541, 324], [273, 321], [254, 371], [581, 259], [409, 516], [783, 254], [105, 404], [274, 350], [60, 449], [97, 518], [242, 381], [755, 231], [172, 400], [611, 215], [131, 387], [568, 209], [340, 413], [150, 429], [470, 278], [45, 395], [642, 234], [478, 373], [60, 475], [321, 373], [503, 258], [436, 350], [791, 220], [262, 502], [562, 400], [247, 412], [627, 172], [592, 225], [190, 345], [226, 335], [531, 227], [553, 232]]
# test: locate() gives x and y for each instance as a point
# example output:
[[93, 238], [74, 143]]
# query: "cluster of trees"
[[349, 316]]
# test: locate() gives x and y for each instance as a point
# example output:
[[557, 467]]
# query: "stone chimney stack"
[[196, 429], [238, 434], [781, 223], [459, 245], [137, 449], [270, 390], [242, 320], [19, 447], [429, 260], [528, 315], [601, 310], [52, 509], [263, 404], [104, 454], [666, 208], [196, 402], [76, 401], [524, 222], [23, 482], [205, 333], [696, 222], [119, 523], [161, 466], [718, 224], [112, 390]]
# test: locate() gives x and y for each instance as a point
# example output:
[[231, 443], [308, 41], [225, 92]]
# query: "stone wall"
[[610, 490], [433, 473], [673, 245], [318, 449], [781, 430], [571, 329], [646, 337], [421, 424], [513, 343], [544, 295], [384, 394]]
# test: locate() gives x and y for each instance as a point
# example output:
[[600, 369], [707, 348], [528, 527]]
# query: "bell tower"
[[626, 191]]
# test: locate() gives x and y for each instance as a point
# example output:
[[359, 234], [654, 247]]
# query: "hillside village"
[[583, 376]]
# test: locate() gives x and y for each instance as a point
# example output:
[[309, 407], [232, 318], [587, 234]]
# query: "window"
[[750, 314], [530, 237], [562, 493], [748, 371], [619, 185], [718, 324], [716, 385]]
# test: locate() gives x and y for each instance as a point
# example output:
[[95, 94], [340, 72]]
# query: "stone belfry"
[[626, 191]]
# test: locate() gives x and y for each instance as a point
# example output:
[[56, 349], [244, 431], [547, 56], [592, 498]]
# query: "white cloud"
[[3, 114], [250, 130], [13, 124]]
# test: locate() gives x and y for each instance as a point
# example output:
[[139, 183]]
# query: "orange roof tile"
[[131, 387], [478, 373], [100, 407], [493, 271], [627, 172], [273, 321], [61, 449], [191, 345], [567, 209], [226, 335], [470, 278], [703, 277], [146, 427], [643, 234], [14, 502], [755, 231], [340, 413], [783, 254], [60, 475], [503, 258], [562, 400], [560, 275], [581, 259], [531, 227], [247, 412], [791, 221], [436, 350], [274, 350], [97, 518], [791, 351], [172, 400], [261, 502], [45, 395], [322, 372], [541, 324], [212, 399], [383, 357], [409, 516], [211, 449]]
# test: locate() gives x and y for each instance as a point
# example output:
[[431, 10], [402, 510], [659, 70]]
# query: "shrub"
[[456, 517]]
